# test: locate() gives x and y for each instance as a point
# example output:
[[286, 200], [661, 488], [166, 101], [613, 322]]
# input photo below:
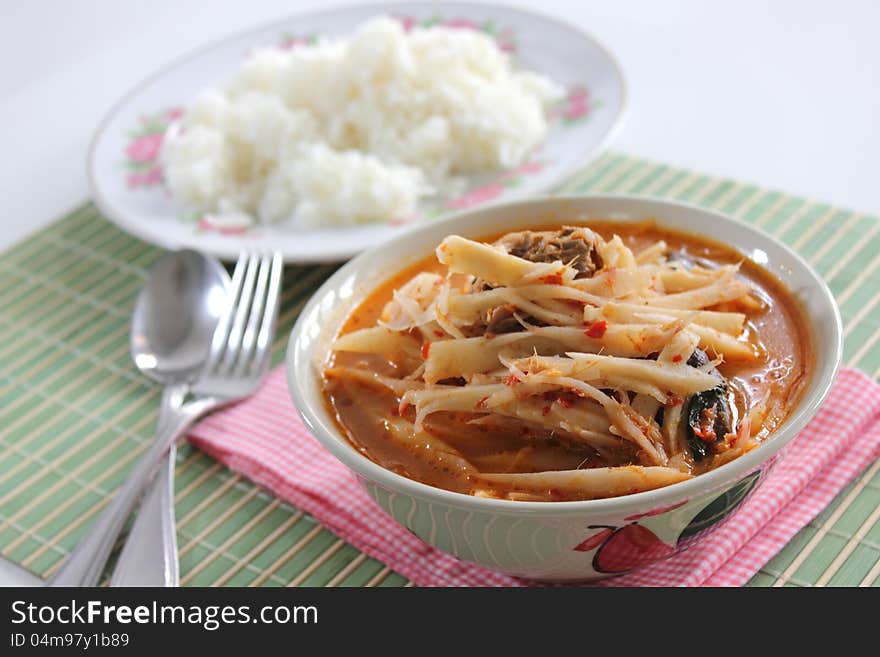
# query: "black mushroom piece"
[[709, 417], [573, 246]]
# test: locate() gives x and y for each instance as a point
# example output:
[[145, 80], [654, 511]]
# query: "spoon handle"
[[86, 562], [149, 557]]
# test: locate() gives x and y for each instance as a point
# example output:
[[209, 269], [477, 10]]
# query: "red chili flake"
[[438, 333], [566, 403], [511, 380], [481, 403], [673, 400], [426, 348], [552, 279], [596, 329], [395, 412], [546, 410], [402, 408], [706, 428]]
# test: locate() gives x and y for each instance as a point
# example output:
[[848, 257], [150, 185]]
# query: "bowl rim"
[[327, 432]]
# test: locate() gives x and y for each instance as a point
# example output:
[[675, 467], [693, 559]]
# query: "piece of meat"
[[501, 320], [574, 246]]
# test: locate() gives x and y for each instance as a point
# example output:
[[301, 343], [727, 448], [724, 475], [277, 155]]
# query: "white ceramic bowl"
[[539, 539]]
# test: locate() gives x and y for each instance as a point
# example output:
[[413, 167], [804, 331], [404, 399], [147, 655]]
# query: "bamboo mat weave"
[[75, 414]]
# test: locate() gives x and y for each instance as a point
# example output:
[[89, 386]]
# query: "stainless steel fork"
[[238, 362]]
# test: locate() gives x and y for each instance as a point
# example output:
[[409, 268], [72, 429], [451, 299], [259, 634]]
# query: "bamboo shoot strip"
[[681, 280], [626, 423], [634, 374], [653, 254], [377, 340], [452, 358], [615, 284], [582, 419], [616, 255], [711, 339], [634, 313], [463, 256], [591, 483], [397, 386], [726, 289], [469, 308]]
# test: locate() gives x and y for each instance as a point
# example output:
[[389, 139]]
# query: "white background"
[[782, 93]]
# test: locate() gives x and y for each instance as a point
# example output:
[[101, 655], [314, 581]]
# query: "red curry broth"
[[776, 380]]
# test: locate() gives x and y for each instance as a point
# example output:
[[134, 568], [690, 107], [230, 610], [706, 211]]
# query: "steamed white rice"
[[354, 131]]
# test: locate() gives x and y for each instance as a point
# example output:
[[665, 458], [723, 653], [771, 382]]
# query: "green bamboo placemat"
[[75, 414]]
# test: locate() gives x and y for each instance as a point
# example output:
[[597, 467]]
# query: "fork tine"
[[256, 313], [236, 333], [221, 333], [270, 315]]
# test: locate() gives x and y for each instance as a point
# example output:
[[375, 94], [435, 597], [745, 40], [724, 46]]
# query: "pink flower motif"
[[507, 46], [406, 219], [477, 196], [462, 23], [145, 179], [293, 42], [406, 22], [145, 149], [173, 114], [577, 104], [576, 110], [205, 224], [529, 167]]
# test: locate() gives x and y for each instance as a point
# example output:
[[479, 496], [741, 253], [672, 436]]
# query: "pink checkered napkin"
[[264, 439]]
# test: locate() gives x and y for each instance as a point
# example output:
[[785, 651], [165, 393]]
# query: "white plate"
[[126, 181]]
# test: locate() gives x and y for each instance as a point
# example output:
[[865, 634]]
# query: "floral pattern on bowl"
[[620, 548]]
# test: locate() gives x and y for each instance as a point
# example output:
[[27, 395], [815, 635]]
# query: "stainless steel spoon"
[[149, 557], [173, 323]]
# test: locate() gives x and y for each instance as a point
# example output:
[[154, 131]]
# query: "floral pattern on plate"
[[143, 148]]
